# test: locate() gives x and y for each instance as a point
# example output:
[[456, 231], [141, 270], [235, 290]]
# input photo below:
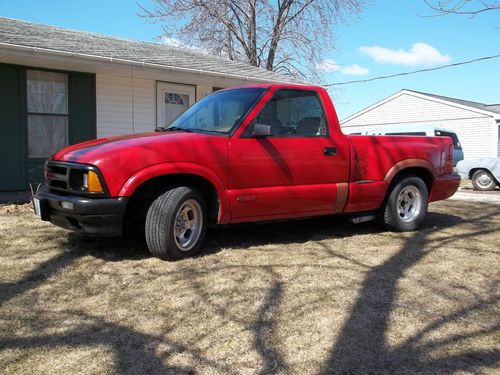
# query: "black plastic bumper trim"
[[97, 216]]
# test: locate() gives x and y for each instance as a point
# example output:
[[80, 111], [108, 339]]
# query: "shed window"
[[47, 105]]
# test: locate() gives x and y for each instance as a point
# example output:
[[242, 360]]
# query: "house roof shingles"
[[22, 33]]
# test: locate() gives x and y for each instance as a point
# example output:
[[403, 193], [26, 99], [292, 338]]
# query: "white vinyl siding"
[[127, 105], [124, 105], [202, 91], [408, 108], [498, 146], [475, 130], [144, 105], [114, 105]]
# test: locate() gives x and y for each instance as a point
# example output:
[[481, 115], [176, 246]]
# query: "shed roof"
[[80, 43], [492, 110], [485, 107]]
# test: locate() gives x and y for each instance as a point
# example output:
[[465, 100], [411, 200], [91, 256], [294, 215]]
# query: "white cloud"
[[176, 43], [330, 66], [172, 42], [355, 70], [419, 54]]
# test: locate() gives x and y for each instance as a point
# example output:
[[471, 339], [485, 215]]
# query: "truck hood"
[[121, 158], [151, 148], [80, 152]]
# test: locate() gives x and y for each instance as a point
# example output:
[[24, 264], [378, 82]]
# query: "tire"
[[406, 205], [176, 224], [483, 180]]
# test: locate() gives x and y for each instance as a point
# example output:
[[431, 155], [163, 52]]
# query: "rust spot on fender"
[[409, 163]]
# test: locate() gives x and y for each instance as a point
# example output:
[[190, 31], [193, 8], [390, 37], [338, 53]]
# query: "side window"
[[293, 113]]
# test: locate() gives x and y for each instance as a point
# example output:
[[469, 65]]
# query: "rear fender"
[[407, 164]]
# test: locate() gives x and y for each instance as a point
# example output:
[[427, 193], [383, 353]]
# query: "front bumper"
[[94, 216], [445, 186]]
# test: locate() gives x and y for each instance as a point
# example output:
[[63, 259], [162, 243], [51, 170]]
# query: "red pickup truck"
[[252, 153]]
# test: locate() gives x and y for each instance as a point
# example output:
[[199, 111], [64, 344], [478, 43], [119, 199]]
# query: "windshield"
[[219, 112]]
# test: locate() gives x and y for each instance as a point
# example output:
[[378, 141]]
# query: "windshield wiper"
[[173, 128]]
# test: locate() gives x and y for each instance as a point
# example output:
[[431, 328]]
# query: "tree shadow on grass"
[[37, 277], [235, 237], [134, 352], [111, 249], [75, 247], [243, 236], [361, 346], [246, 235], [264, 328], [265, 324]]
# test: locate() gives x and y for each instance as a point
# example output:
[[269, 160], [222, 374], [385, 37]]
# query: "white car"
[[484, 172]]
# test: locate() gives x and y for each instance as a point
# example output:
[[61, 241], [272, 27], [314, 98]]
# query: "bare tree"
[[286, 36], [463, 7]]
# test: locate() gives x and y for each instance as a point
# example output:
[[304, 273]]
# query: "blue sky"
[[389, 37]]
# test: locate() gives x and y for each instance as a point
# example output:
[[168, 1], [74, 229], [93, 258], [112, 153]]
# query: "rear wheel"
[[176, 224], [483, 180], [406, 206]]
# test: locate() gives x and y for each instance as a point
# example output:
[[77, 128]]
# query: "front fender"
[[164, 169]]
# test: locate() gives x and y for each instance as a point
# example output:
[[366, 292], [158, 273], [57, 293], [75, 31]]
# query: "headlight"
[[85, 181]]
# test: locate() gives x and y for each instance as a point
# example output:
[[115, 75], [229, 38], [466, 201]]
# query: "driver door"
[[297, 170]]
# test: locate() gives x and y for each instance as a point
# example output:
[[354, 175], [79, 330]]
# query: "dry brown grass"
[[315, 296]]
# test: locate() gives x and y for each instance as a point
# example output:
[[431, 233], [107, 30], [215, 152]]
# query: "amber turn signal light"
[[94, 185]]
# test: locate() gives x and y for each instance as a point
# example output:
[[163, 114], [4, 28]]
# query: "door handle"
[[330, 151]]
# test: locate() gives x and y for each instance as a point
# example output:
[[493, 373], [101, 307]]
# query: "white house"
[[476, 124], [60, 87]]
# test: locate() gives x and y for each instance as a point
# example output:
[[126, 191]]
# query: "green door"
[[82, 104], [12, 155]]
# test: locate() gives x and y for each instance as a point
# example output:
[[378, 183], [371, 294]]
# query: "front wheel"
[[482, 180], [406, 206], [176, 224]]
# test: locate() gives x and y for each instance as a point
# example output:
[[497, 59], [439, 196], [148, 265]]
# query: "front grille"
[[57, 176], [68, 177]]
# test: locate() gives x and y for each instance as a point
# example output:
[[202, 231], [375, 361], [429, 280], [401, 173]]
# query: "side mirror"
[[261, 130]]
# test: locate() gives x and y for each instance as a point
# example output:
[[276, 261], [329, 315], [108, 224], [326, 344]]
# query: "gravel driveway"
[[466, 193]]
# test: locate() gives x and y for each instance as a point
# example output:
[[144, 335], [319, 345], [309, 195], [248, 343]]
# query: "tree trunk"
[[252, 33], [283, 10]]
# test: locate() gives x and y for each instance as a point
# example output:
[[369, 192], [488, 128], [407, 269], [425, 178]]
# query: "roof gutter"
[[137, 63]]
